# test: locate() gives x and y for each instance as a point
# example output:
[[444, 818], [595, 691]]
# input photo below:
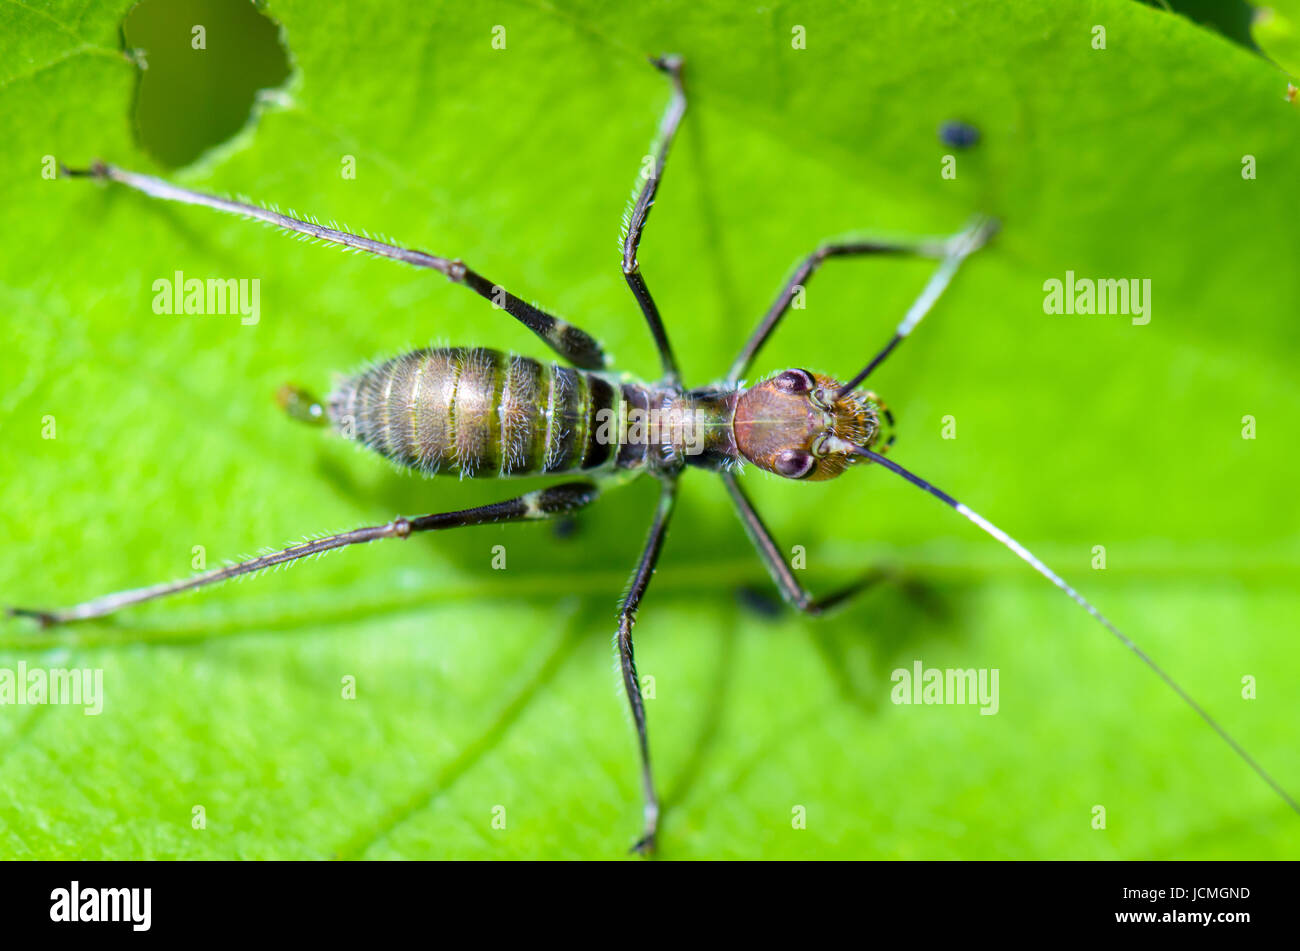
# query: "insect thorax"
[[480, 413]]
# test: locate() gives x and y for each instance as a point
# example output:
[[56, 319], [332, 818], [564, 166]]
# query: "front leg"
[[949, 251], [794, 593]]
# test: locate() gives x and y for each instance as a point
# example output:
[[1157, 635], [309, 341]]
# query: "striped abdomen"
[[476, 412]]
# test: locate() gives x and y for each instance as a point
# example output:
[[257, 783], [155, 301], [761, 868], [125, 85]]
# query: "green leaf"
[[1276, 28], [479, 688]]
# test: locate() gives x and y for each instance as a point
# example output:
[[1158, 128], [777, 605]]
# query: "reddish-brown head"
[[793, 424]]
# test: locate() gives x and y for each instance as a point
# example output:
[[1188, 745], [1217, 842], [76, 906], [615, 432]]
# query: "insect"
[[479, 413]]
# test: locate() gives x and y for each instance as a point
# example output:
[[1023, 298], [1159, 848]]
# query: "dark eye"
[[793, 463], [795, 381]]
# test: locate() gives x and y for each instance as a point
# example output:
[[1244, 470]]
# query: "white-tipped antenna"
[[1031, 559]]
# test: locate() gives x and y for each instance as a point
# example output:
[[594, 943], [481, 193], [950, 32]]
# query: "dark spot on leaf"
[[958, 134], [566, 527], [759, 602], [203, 63]]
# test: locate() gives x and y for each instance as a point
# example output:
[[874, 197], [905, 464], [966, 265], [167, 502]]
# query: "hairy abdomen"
[[477, 413]]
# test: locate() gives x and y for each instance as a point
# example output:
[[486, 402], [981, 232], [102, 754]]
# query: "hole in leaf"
[[203, 63]]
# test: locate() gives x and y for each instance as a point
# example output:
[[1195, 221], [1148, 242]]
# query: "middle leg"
[[626, 618], [672, 66]]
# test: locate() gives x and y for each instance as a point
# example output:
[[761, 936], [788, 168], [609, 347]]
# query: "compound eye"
[[795, 381], [793, 463]]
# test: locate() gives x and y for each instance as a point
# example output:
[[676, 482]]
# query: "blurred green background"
[[479, 688]]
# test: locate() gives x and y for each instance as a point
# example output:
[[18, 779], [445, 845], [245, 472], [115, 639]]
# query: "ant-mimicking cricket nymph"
[[481, 413]]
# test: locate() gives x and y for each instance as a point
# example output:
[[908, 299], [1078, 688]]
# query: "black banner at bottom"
[[334, 900]]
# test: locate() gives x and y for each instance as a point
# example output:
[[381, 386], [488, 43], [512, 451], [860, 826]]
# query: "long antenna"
[[1030, 559]]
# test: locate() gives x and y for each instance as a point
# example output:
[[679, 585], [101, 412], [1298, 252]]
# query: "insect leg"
[[626, 618], [950, 251], [795, 593], [543, 503], [571, 343], [672, 66]]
